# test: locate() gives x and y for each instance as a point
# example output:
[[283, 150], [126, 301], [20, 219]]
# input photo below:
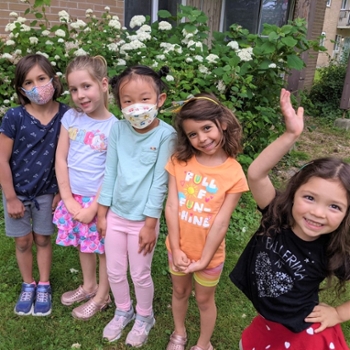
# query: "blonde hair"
[[96, 66]]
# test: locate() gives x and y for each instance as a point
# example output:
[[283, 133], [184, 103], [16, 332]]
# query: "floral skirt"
[[73, 233], [262, 334]]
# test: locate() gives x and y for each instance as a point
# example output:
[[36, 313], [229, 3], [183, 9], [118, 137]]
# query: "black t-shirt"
[[281, 276]]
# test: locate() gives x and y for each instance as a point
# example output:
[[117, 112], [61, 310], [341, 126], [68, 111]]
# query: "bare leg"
[[88, 267], [24, 256], [43, 256], [182, 288], [207, 309], [103, 285]]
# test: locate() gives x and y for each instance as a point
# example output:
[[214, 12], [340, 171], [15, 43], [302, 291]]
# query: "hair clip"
[[177, 105]]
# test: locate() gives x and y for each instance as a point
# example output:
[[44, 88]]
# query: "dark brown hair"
[[279, 213], [24, 65], [207, 108], [96, 66], [139, 71]]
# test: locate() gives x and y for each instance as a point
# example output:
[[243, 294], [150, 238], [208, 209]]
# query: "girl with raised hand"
[[28, 140], [205, 185], [132, 195], [80, 163], [304, 237]]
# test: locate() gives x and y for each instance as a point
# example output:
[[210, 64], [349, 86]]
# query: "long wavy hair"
[[207, 108], [279, 213]]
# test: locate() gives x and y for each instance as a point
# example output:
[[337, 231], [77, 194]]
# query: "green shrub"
[[325, 95], [246, 71]]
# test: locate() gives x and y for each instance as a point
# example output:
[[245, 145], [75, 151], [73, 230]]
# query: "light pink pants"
[[121, 245]]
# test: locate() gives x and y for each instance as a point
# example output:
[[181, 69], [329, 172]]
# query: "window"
[[148, 8], [343, 4], [337, 43], [253, 14], [329, 3]]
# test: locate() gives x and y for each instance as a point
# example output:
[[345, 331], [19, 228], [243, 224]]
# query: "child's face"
[[35, 77], [204, 136], [319, 207], [86, 93]]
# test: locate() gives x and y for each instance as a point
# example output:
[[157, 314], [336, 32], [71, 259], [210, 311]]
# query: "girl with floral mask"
[[132, 195], [28, 140]]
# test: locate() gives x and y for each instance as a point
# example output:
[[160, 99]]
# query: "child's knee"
[[42, 241], [24, 243]]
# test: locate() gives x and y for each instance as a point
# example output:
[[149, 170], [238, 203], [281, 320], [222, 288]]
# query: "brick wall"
[[330, 28], [76, 9], [316, 31]]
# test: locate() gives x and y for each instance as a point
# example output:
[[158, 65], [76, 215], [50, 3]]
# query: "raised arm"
[[258, 179]]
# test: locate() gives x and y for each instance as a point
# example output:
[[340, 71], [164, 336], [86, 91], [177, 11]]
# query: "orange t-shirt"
[[201, 193]]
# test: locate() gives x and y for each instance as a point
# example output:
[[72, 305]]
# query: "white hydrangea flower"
[[272, 65], [112, 47], [33, 40], [59, 74], [7, 56], [245, 54], [60, 32], [13, 14], [114, 23], [163, 25], [203, 69], [45, 32], [49, 42], [66, 92], [10, 27], [89, 11], [78, 24], [6, 102], [63, 16], [57, 57], [169, 78], [115, 17], [191, 43], [144, 36], [155, 64], [80, 52], [107, 8], [121, 62], [160, 57], [25, 28], [29, 50], [137, 21], [42, 53], [10, 43], [60, 40], [188, 59], [136, 44], [23, 0], [221, 86], [244, 229], [199, 45], [21, 20], [53, 63], [145, 28], [18, 52], [212, 58], [198, 58], [233, 45], [76, 346]]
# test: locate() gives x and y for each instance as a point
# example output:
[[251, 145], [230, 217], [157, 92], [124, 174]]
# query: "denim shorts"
[[34, 219]]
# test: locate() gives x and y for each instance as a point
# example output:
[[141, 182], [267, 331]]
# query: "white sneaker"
[[114, 328], [139, 332]]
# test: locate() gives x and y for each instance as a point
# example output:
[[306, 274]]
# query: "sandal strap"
[[177, 342]]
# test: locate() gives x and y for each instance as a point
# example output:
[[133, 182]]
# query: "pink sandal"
[[196, 347], [176, 342]]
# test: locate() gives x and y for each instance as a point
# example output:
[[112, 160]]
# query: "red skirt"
[[262, 334]]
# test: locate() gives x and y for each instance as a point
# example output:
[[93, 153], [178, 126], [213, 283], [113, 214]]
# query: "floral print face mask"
[[40, 95]]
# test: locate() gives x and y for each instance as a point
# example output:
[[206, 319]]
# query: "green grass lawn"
[[61, 331]]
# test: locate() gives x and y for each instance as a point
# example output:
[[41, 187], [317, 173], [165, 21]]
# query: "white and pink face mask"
[[140, 115], [40, 95]]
